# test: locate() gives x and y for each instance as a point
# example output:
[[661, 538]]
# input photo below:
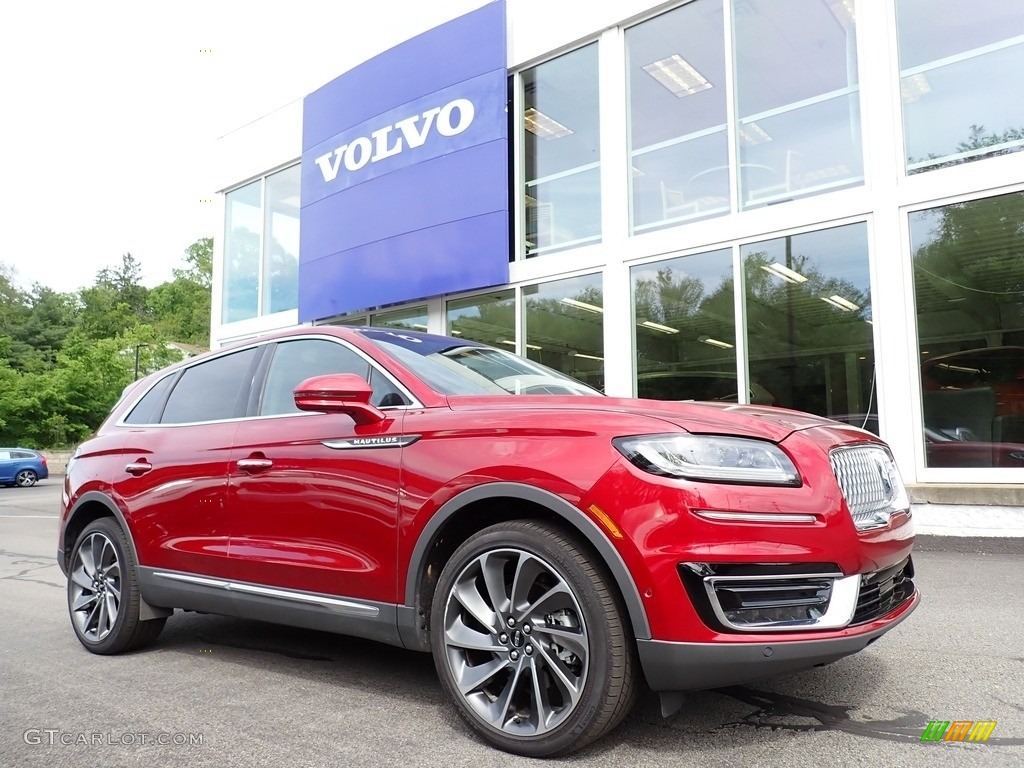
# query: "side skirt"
[[310, 610]]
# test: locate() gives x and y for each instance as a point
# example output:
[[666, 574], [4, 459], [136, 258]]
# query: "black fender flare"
[[565, 511]]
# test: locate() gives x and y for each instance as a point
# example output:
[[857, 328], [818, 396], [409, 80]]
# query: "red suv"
[[550, 550]]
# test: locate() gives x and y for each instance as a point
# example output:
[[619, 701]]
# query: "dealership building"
[[813, 204]]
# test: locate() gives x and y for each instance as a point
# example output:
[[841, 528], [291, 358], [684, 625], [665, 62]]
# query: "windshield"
[[457, 367]]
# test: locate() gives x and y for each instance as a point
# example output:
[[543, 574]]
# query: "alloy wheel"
[[516, 642], [96, 587]]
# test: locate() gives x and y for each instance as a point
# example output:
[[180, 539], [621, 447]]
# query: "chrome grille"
[[870, 483]]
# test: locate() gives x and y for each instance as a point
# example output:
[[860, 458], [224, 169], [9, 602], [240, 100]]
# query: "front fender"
[[561, 508]]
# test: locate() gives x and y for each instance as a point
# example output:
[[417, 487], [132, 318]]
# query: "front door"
[[313, 504]]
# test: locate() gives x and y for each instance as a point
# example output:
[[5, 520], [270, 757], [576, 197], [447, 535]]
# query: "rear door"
[[175, 471]]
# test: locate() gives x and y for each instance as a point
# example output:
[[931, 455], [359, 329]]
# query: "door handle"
[[254, 465], [138, 468]]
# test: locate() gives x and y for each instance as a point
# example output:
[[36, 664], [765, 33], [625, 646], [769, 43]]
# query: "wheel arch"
[[484, 505], [90, 507]]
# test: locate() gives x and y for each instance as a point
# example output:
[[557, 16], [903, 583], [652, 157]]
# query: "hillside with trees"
[[65, 358]]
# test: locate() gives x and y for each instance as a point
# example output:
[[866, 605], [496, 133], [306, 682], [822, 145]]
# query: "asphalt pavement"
[[224, 692]]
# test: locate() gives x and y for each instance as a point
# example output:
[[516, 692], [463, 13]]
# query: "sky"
[[110, 111]]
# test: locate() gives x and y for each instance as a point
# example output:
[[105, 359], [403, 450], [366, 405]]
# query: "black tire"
[[562, 672], [96, 592], [26, 478]]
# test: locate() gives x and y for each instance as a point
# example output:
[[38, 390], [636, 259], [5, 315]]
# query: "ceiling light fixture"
[[715, 342], [844, 12], [914, 87], [787, 274], [582, 305], [678, 75], [659, 327], [588, 357], [752, 133], [839, 302], [542, 126]]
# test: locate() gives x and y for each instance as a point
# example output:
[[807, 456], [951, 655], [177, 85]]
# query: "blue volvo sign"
[[405, 172]]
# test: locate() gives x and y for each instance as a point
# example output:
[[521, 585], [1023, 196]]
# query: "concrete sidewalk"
[[968, 521]]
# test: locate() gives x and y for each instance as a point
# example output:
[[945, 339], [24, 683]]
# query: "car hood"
[[767, 422]]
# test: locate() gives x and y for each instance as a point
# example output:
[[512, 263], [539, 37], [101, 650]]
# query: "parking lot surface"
[[224, 692]]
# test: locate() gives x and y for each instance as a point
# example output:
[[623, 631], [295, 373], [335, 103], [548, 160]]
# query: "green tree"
[[65, 359], [199, 261], [181, 308], [969, 273], [116, 302]]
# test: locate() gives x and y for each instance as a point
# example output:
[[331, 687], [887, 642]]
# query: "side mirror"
[[338, 393]]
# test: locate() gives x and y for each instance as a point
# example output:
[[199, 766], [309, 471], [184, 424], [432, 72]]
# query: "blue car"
[[22, 467]]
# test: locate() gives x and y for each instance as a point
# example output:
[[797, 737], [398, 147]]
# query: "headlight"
[[710, 457]]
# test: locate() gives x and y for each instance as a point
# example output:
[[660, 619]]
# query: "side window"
[[385, 394], [295, 361], [210, 391], [5, 455], [22, 455], [147, 410]]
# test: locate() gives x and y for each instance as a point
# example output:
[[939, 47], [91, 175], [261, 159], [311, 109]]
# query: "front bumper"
[[680, 666]]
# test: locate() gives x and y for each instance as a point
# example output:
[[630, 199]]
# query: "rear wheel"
[[103, 592], [529, 640], [26, 478]]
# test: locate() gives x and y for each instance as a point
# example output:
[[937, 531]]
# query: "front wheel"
[[529, 640], [26, 478], [103, 592]]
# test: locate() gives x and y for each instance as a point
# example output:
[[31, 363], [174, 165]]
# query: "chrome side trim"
[[784, 518], [841, 605], [346, 607], [381, 441]]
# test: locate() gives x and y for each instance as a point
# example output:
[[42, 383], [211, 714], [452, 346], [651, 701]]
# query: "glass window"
[[352, 322], [281, 235], [678, 145], [958, 61], [242, 252], [969, 293], [488, 318], [562, 153], [685, 331], [456, 367], [147, 410], [809, 335], [797, 100], [565, 327], [296, 361], [216, 389], [409, 318]]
